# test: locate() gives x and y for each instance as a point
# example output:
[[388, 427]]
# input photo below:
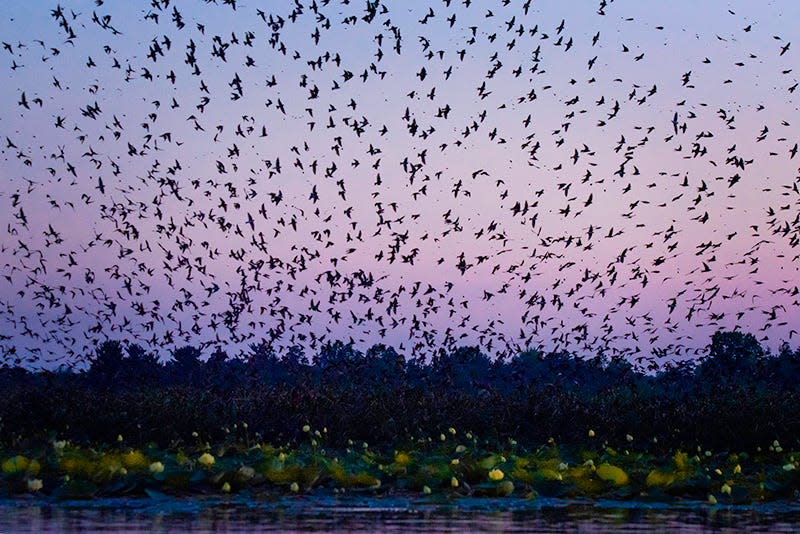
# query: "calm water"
[[391, 515]]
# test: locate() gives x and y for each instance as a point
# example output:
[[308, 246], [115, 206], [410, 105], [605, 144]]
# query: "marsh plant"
[[723, 427]]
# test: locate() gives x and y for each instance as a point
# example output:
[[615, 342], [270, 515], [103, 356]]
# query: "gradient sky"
[[213, 174]]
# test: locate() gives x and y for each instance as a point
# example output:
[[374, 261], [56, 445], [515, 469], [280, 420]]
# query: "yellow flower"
[[737, 469], [726, 489], [591, 433], [306, 429], [496, 475], [460, 449], [402, 458], [426, 490], [452, 431], [35, 484], [206, 460], [454, 482], [712, 499], [454, 461], [295, 487], [156, 467], [226, 488]]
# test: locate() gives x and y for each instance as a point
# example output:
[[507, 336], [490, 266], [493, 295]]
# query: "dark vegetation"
[[739, 397]]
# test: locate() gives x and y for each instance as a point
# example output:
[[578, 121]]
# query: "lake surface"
[[392, 515]]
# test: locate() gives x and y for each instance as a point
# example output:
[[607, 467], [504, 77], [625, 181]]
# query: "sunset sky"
[[615, 178]]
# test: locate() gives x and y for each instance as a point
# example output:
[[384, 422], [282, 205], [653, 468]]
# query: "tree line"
[[738, 397]]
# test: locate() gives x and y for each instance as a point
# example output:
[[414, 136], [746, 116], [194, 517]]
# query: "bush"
[[738, 397]]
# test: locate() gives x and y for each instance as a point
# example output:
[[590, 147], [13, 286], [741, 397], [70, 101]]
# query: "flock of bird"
[[420, 174]]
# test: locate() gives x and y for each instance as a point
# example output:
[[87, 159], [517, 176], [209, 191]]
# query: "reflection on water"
[[391, 515]]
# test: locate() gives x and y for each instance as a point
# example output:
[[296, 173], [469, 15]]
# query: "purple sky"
[[432, 174]]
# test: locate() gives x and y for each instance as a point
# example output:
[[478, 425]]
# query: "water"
[[390, 515]]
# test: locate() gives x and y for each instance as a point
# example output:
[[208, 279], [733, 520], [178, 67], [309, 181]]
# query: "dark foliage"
[[739, 397]]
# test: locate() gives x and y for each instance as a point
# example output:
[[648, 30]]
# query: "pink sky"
[[602, 251]]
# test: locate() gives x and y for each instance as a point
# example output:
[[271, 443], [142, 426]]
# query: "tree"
[[141, 366], [732, 353], [106, 363], [185, 364], [466, 368]]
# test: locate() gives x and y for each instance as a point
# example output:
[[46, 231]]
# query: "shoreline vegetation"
[[723, 429]]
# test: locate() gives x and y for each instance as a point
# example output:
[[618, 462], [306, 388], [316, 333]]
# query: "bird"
[[536, 141]]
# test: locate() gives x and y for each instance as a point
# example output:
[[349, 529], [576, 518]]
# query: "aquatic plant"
[[726, 400], [461, 467], [349, 421]]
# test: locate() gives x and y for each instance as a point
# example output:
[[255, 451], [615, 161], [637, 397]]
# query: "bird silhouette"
[[456, 171]]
